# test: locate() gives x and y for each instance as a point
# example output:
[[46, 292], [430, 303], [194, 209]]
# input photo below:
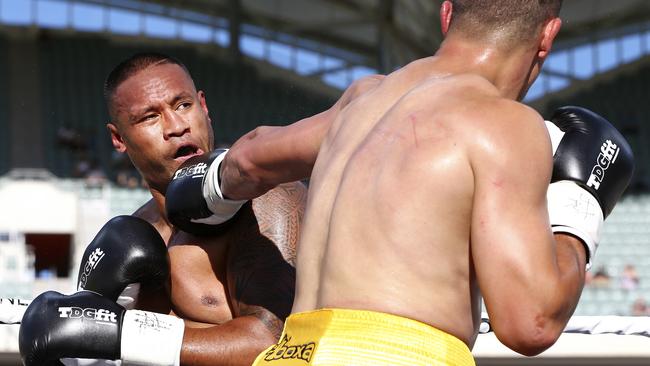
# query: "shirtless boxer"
[[429, 189], [233, 286]]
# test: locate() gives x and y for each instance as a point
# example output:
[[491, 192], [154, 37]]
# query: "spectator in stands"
[[82, 167], [640, 307], [629, 278], [601, 277], [94, 177]]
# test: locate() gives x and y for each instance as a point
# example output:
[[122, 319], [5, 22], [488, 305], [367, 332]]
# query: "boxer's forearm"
[[557, 290], [571, 259], [235, 343], [268, 156]]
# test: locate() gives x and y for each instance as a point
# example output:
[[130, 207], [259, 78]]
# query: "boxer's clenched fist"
[[592, 166], [88, 325]]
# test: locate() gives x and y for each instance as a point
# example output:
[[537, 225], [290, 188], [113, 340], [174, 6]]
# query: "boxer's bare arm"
[[261, 282], [268, 156], [530, 282]]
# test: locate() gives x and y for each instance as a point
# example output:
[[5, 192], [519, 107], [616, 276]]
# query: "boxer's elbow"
[[529, 336]]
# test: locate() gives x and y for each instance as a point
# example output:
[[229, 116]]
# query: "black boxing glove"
[[88, 325], [127, 252], [193, 201], [592, 167]]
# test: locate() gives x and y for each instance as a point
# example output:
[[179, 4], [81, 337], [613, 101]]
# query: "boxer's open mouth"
[[186, 151]]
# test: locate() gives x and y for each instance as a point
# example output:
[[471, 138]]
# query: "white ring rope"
[[11, 312], [607, 324]]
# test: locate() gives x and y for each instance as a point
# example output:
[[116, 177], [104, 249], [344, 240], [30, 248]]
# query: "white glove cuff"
[[575, 211], [223, 209], [151, 339]]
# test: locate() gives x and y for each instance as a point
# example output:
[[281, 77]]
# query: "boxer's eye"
[[185, 150]]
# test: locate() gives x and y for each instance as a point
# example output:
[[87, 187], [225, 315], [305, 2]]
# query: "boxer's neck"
[[508, 70]]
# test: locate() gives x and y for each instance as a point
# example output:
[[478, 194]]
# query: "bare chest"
[[199, 289]]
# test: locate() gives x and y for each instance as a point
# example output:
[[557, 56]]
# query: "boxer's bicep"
[[271, 155]]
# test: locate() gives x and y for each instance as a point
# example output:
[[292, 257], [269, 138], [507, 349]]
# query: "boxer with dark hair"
[[232, 286], [430, 187]]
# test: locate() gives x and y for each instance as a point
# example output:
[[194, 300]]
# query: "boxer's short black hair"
[[132, 66], [511, 21]]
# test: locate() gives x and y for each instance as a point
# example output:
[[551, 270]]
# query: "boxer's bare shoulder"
[[361, 86], [150, 212], [358, 89], [503, 121]]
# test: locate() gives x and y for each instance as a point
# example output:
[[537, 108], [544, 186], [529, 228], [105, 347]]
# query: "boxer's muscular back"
[[390, 203]]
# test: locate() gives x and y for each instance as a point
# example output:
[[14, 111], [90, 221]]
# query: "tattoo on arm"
[[261, 260], [279, 214], [270, 321]]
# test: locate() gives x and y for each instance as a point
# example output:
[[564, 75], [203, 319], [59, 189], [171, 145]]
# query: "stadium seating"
[[626, 240], [238, 97]]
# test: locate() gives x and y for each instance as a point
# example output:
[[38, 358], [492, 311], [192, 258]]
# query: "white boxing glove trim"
[[151, 339], [223, 209], [555, 133], [575, 211], [128, 299], [89, 362]]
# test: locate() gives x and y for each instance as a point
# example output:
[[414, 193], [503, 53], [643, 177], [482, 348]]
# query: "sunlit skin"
[[155, 113], [428, 190], [218, 283]]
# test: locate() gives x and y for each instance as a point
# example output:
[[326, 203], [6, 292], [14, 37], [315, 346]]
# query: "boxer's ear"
[[116, 138], [446, 9], [550, 31]]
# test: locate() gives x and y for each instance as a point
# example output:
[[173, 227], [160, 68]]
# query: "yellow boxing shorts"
[[338, 337]]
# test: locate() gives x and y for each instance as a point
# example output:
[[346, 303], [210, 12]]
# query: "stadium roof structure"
[[384, 34], [324, 45]]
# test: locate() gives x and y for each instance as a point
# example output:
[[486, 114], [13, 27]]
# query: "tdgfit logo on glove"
[[196, 171], [91, 263], [608, 154], [99, 315]]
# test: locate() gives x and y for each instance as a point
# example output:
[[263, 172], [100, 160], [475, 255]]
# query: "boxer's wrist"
[[572, 210], [569, 243], [223, 208], [151, 339]]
